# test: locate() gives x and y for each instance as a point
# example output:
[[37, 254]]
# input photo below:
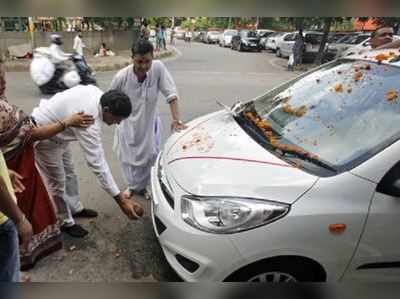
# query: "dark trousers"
[[9, 253]]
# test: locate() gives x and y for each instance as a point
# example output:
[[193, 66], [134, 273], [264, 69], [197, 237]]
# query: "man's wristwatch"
[[175, 121]]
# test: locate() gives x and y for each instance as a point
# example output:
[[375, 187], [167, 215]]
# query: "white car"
[[273, 40], [212, 37], [361, 47], [335, 50], [226, 37], [312, 40], [300, 184]]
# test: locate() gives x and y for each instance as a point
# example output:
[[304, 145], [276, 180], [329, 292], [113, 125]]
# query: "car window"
[[312, 38], [343, 113], [289, 37]]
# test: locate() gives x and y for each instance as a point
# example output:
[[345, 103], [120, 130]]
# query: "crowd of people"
[[39, 190]]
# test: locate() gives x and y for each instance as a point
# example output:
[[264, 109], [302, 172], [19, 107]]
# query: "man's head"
[[142, 55], [116, 106], [381, 36], [56, 39]]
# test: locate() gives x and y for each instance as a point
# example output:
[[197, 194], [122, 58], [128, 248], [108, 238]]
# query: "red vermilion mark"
[[230, 158]]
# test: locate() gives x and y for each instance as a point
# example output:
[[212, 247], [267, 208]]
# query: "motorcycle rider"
[[57, 54]]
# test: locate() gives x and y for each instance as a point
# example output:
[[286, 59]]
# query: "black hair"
[[142, 47], [117, 102]]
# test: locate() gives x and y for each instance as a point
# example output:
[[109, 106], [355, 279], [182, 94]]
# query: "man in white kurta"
[[51, 154], [137, 139], [78, 44]]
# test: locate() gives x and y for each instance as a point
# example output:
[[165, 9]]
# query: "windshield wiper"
[[307, 157], [235, 109]]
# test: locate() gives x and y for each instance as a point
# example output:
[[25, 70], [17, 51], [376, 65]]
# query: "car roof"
[[384, 56]]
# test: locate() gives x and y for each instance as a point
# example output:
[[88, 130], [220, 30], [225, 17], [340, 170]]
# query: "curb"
[[100, 66]]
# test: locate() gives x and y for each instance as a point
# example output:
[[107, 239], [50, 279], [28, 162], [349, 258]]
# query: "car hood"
[[216, 157]]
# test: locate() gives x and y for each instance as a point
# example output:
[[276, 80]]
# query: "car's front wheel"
[[279, 271]]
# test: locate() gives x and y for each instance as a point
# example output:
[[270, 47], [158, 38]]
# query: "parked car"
[[225, 38], [299, 184], [361, 47], [334, 48], [312, 41], [264, 34], [246, 40], [273, 40], [358, 42], [179, 33], [212, 37], [201, 36]]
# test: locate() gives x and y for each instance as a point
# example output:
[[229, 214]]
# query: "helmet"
[[56, 39]]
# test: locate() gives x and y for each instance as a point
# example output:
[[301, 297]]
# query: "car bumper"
[[252, 47], [193, 254]]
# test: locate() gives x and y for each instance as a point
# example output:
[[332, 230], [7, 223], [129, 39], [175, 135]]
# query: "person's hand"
[[16, 181], [130, 207], [177, 126], [25, 232], [80, 120]]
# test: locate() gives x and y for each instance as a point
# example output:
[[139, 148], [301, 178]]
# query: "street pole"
[[32, 32]]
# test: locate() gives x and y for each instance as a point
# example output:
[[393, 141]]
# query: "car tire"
[[276, 271]]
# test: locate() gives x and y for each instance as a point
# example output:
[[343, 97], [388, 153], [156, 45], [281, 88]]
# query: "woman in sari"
[[18, 132]]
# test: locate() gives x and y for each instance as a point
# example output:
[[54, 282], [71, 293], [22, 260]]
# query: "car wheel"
[[277, 271], [278, 52]]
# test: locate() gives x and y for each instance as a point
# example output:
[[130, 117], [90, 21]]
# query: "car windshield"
[[339, 115], [249, 34], [230, 33], [345, 38], [357, 39], [335, 37]]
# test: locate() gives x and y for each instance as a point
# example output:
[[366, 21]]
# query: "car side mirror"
[[396, 186], [390, 183]]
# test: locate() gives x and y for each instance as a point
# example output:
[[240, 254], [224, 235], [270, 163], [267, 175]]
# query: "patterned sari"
[[35, 202]]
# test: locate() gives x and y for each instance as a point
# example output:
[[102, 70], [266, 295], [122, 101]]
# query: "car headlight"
[[244, 41], [227, 215]]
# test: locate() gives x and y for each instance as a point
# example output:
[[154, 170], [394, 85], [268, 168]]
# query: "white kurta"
[[78, 45], [135, 142], [80, 99]]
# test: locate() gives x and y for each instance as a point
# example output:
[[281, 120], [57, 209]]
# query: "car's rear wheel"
[[279, 271]]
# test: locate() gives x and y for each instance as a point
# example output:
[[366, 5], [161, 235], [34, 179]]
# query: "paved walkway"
[[110, 63]]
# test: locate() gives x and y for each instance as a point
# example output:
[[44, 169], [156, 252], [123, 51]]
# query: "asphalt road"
[[117, 249]]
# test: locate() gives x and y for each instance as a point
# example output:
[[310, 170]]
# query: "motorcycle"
[[52, 76]]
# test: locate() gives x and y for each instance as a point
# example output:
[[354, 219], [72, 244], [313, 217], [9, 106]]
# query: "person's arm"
[[169, 90], [91, 144], [176, 124], [10, 208], [75, 120]]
